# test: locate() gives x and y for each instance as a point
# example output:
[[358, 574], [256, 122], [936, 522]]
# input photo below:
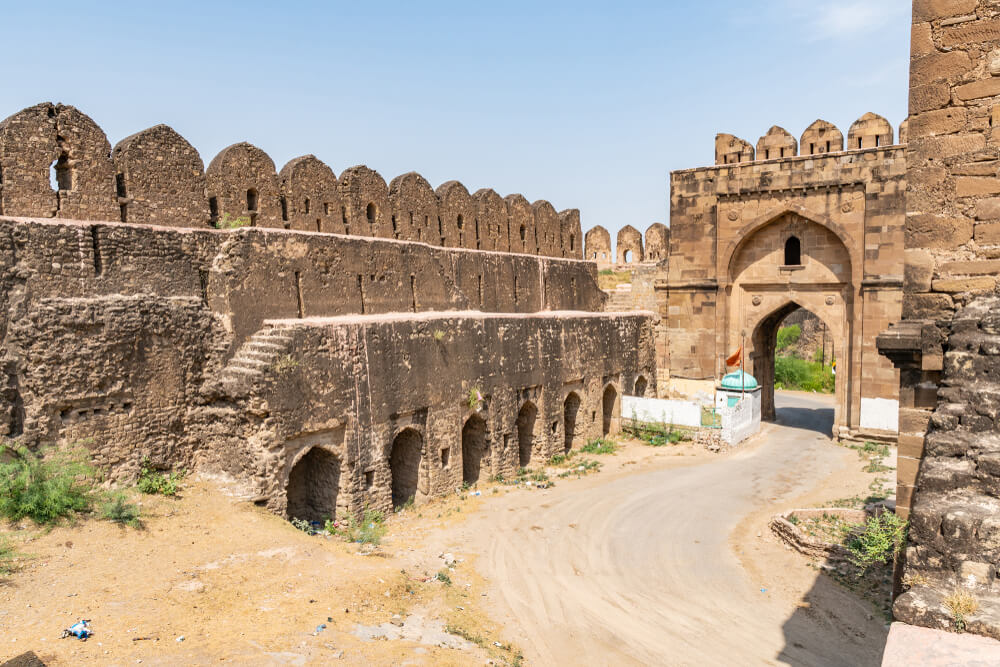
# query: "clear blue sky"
[[586, 104]]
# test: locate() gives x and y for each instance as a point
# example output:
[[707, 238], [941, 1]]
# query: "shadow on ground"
[[801, 646], [811, 419]]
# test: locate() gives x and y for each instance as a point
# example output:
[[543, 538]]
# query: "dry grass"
[[608, 279], [961, 604]]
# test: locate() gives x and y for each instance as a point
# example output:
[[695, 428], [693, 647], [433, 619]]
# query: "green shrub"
[[230, 222], [44, 487], [443, 577], [152, 481], [794, 373], [599, 446], [370, 530], [879, 542], [788, 336], [117, 508]]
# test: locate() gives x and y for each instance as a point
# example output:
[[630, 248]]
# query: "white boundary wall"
[[657, 410], [880, 414], [742, 420]]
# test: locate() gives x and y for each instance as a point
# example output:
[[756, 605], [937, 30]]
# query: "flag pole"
[[743, 372]]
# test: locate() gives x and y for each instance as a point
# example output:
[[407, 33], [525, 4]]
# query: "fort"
[[338, 342], [344, 344]]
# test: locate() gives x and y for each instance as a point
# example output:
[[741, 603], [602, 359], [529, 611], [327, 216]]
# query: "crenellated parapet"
[[869, 131], [55, 162]]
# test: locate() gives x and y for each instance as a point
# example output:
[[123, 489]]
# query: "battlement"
[[869, 131], [56, 162]]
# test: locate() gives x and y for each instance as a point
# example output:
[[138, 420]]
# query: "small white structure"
[[737, 401]]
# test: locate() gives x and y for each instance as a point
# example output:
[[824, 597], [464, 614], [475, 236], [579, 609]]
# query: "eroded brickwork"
[[192, 346], [55, 162], [945, 345], [159, 179], [598, 245]]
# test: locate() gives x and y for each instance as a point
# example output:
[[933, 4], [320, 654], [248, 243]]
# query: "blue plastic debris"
[[80, 630]]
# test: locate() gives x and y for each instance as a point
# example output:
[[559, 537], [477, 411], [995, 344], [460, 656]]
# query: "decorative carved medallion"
[[830, 300], [847, 207], [756, 300], [733, 215]]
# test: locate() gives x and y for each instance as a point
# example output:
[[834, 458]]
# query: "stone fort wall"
[[156, 177], [329, 371], [946, 346]]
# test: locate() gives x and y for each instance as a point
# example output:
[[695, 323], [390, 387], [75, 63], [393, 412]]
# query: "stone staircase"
[[619, 299], [256, 356]]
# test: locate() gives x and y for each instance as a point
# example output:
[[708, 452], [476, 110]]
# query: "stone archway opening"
[[526, 433], [474, 448], [608, 404], [793, 351], [640, 386], [404, 464], [313, 485], [571, 409]]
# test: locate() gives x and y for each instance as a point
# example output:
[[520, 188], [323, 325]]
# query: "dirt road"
[[639, 569]]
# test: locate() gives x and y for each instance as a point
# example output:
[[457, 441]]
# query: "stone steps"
[[259, 353]]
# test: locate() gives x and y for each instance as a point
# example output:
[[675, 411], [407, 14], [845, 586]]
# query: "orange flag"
[[735, 359]]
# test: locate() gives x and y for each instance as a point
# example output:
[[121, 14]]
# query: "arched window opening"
[[473, 448], [313, 486], [793, 251], [572, 241], [640, 386], [628, 257], [571, 408], [284, 208], [252, 200], [522, 232], [213, 209], [305, 204], [526, 433], [404, 463], [370, 213], [459, 221]]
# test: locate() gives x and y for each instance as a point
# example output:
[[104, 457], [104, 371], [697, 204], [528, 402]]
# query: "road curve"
[[638, 570]]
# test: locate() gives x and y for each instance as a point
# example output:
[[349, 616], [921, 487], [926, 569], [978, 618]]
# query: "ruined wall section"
[[657, 242], [521, 223], [954, 535], [55, 162], [628, 247], [242, 185], [414, 206], [159, 180], [944, 346], [310, 196], [434, 363], [547, 229], [456, 216], [598, 245], [50, 142], [491, 220], [114, 333], [572, 236]]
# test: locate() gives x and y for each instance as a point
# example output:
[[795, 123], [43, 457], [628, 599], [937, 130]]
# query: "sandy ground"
[[657, 559], [676, 566]]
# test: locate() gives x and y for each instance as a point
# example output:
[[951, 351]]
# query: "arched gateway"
[[751, 242]]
